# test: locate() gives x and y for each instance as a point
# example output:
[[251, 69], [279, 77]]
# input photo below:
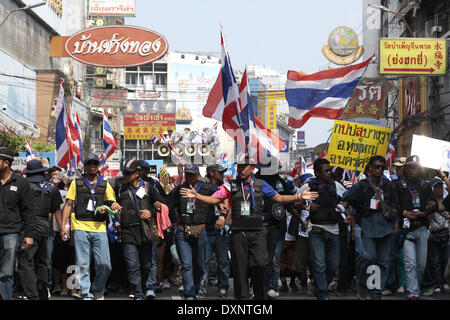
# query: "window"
[[131, 78], [147, 67], [161, 79], [160, 67]]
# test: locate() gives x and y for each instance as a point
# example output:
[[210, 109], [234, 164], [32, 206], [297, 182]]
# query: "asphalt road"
[[212, 294]]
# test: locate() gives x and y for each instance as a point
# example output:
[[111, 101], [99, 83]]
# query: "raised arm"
[[192, 194], [304, 195]]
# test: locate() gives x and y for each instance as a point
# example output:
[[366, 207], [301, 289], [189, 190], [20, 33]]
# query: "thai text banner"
[[413, 56], [143, 126], [348, 138]]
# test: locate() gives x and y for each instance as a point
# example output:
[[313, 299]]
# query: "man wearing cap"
[[275, 223], [138, 201], [248, 237], [16, 217], [89, 227], [190, 234], [33, 261], [398, 168], [218, 236], [416, 203]]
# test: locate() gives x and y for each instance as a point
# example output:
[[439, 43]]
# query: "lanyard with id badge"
[[245, 205], [92, 202], [190, 203], [279, 186], [374, 202]]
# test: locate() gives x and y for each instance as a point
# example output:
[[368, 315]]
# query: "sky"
[[282, 34]]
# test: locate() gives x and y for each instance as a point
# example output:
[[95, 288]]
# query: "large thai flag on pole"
[[323, 94], [63, 152], [109, 141], [261, 141], [73, 136], [223, 102], [30, 155]]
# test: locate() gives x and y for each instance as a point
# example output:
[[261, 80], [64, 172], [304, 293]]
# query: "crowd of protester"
[[380, 234]]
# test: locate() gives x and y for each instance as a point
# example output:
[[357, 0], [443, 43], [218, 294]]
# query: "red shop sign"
[[116, 46]]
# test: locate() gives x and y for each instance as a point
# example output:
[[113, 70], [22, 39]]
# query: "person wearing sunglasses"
[[323, 228], [375, 200], [417, 203]]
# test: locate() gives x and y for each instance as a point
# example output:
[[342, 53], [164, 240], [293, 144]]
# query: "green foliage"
[[17, 143], [13, 142]]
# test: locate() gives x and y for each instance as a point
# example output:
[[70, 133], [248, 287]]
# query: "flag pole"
[[357, 160]]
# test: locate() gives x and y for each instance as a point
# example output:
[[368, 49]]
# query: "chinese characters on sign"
[[350, 140], [368, 99], [142, 126], [413, 56]]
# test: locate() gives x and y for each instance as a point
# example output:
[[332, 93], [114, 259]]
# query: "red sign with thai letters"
[[116, 46]]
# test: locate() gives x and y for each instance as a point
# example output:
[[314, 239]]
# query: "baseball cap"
[[6, 154], [91, 157], [400, 162], [435, 181], [216, 167], [144, 165], [132, 166], [246, 159], [191, 168]]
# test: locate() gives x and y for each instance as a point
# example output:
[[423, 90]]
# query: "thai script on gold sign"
[[350, 141], [413, 56]]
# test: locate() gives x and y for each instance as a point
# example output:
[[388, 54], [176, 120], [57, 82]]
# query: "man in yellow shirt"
[[89, 229]]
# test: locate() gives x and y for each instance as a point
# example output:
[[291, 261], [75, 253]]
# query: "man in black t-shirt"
[[33, 261]]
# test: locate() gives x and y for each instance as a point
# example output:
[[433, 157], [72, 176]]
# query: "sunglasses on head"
[[380, 166]]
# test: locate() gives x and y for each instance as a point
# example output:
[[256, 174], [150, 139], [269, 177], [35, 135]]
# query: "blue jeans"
[[375, 251], [50, 247], [218, 243], [9, 248], [274, 247], [415, 258], [192, 257], [358, 249], [140, 260], [97, 243], [437, 255], [325, 254]]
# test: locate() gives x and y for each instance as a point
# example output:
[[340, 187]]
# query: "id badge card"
[[217, 211], [245, 208], [189, 207], [140, 193], [91, 205], [416, 202], [279, 186], [374, 204], [406, 223]]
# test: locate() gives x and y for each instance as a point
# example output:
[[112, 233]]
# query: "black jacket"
[[16, 206]]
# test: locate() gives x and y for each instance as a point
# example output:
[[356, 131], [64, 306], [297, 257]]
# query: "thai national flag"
[[80, 139], [103, 165], [109, 141], [390, 156], [154, 140], [30, 153], [261, 140], [323, 94], [63, 152], [232, 105], [223, 102], [73, 138]]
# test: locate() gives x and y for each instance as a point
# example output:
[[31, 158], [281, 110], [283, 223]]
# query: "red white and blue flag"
[[223, 102], [390, 156], [80, 139], [323, 94], [232, 105], [73, 136], [109, 141], [63, 152], [103, 165], [30, 155]]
